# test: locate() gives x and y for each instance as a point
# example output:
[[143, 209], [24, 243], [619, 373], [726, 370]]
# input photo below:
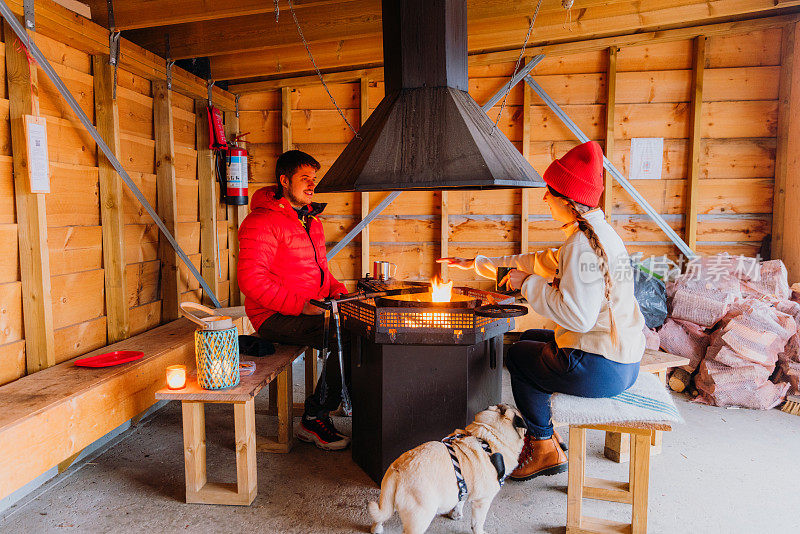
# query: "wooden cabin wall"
[[74, 232], [653, 88]]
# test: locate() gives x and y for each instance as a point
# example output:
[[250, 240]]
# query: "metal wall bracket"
[[30, 16], [169, 61], [518, 77], [236, 102], [210, 85]]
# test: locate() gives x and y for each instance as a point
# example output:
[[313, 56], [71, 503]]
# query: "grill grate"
[[426, 325]]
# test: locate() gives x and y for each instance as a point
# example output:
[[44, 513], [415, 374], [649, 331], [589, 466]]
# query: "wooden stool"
[[633, 492], [193, 399]]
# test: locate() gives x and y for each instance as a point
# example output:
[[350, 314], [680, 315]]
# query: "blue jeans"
[[539, 368]]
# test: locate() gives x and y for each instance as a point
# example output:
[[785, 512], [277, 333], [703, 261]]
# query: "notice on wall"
[[38, 160], [647, 157]]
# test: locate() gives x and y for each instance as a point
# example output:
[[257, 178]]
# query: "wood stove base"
[[405, 395]]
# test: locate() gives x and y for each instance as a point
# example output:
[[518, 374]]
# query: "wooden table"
[[193, 399]]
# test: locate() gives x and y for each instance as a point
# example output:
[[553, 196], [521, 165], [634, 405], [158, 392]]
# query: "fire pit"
[[420, 368]]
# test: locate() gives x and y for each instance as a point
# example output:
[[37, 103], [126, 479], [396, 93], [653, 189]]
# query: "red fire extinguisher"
[[236, 183], [231, 161]]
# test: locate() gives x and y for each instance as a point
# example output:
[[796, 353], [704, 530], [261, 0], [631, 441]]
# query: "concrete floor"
[[733, 471]]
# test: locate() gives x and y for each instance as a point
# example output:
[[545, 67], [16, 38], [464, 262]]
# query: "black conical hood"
[[427, 132]]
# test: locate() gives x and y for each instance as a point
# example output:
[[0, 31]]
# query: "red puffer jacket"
[[281, 265]]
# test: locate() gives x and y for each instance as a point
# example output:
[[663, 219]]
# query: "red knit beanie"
[[578, 174]]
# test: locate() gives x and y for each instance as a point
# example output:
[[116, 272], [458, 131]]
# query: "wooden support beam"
[[525, 199], [365, 52], [207, 197], [286, 119], [111, 202], [611, 104], [445, 237], [493, 24], [695, 134], [236, 215], [133, 14], [57, 22], [34, 256], [364, 99], [167, 200], [786, 217]]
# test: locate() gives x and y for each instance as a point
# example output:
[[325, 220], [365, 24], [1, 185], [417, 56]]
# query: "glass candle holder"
[[176, 376]]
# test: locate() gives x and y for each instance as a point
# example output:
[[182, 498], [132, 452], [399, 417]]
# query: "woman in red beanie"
[[586, 288]]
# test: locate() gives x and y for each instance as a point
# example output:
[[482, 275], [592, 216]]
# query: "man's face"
[[299, 188]]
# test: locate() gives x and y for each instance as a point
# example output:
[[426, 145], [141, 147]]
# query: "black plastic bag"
[[651, 295]]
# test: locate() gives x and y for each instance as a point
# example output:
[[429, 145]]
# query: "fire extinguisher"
[[231, 161], [236, 183]]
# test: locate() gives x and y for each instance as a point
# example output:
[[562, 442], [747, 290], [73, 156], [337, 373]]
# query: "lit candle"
[[176, 376]]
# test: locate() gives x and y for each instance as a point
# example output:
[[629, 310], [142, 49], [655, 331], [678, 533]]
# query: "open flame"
[[441, 291]]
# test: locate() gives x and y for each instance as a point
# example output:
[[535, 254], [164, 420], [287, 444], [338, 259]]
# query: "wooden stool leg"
[[194, 448], [577, 460], [244, 415], [640, 481], [284, 440]]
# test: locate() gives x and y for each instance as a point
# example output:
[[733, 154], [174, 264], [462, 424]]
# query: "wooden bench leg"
[[194, 448], [284, 440], [577, 459], [640, 482], [198, 489], [244, 415]]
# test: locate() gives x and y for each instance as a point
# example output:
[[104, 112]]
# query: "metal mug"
[[381, 270]]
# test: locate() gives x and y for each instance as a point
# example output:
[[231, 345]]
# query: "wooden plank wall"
[[653, 95], [73, 212]]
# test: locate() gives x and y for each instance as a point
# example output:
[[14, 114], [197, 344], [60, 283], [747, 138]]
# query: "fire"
[[441, 291]]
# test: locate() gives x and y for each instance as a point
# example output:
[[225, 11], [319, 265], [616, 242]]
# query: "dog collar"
[[496, 459]]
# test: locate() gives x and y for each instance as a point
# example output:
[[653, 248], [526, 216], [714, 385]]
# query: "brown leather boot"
[[540, 457]]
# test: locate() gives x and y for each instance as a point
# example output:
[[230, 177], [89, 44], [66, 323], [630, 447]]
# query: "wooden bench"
[[49, 417], [618, 444], [275, 368]]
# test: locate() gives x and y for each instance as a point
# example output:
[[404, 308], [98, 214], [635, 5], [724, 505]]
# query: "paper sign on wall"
[[38, 161], [647, 156]]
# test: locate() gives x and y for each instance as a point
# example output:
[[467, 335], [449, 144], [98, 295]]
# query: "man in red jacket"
[[282, 266]]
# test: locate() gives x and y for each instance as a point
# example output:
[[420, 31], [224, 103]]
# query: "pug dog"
[[422, 482]]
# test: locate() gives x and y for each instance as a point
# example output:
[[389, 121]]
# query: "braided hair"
[[586, 229]]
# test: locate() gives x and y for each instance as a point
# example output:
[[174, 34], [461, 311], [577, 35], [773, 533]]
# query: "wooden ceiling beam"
[[588, 45], [137, 14], [57, 22], [346, 19], [367, 52]]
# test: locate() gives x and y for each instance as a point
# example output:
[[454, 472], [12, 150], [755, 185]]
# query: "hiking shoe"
[[321, 432], [540, 457]]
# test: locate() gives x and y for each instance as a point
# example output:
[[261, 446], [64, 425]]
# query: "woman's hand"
[[514, 279], [461, 263]]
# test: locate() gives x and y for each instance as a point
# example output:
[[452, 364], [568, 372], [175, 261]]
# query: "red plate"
[[110, 358]]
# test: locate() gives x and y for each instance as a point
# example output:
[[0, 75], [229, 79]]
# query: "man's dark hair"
[[291, 160]]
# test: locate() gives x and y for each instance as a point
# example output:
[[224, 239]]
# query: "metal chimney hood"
[[427, 133]]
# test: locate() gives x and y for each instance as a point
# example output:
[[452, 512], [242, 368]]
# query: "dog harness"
[[496, 460]]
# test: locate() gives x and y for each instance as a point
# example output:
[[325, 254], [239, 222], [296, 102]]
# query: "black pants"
[[310, 330]]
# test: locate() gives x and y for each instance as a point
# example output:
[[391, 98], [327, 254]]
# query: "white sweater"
[[577, 303]]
